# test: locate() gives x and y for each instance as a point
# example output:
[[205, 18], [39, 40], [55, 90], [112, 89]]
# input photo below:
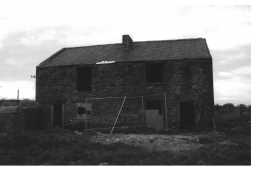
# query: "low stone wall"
[[14, 119], [11, 119], [6, 121], [36, 117]]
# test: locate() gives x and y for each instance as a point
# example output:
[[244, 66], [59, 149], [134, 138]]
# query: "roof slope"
[[139, 51]]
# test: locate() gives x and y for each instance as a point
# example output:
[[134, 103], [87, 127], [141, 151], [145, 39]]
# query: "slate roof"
[[139, 51]]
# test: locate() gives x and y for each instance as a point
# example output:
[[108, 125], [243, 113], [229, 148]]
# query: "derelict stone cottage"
[[158, 84]]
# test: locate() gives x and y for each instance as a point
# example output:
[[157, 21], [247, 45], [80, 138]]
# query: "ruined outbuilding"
[[163, 84]]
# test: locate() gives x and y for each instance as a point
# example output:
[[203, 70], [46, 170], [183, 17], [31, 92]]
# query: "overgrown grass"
[[62, 147]]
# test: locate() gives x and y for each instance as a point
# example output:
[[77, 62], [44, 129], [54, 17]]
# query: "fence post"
[[166, 112], [143, 110]]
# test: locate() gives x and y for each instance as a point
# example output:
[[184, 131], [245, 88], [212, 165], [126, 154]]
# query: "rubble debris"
[[152, 142]]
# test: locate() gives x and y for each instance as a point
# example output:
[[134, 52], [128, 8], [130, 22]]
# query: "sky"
[[31, 31]]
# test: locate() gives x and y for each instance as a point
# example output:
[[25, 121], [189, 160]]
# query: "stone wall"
[[182, 80], [11, 119]]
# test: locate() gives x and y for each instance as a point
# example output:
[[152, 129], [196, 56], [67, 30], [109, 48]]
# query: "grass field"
[[230, 145]]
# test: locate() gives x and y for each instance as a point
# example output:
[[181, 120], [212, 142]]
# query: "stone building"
[[166, 84]]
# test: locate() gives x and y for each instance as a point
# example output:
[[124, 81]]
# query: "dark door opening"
[[187, 115], [57, 115]]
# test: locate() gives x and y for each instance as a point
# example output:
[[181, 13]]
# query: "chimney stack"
[[127, 41]]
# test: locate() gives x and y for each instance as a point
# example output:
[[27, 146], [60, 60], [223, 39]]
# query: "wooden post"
[[143, 110], [166, 112], [51, 116], [62, 114], [142, 102], [17, 114], [118, 115]]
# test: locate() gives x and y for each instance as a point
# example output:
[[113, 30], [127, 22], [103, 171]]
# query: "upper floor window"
[[154, 72], [84, 78]]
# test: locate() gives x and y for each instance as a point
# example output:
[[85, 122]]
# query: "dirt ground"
[[68, 148], [156, 142]]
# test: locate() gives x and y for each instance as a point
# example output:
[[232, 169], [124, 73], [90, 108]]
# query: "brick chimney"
[[127, 41]]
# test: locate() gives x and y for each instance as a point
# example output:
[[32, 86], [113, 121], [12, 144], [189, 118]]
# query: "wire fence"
[[112, 113]]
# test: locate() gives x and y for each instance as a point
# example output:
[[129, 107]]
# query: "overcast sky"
[[30, 31]]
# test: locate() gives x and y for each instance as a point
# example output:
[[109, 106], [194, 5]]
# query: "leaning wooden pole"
[[118, 115]]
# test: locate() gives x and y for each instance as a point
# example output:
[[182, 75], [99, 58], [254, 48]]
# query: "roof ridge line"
[[149, 41]]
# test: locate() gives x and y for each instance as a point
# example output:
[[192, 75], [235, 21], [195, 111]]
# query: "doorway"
[[57, 115], [154, 114], [187, 115]]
